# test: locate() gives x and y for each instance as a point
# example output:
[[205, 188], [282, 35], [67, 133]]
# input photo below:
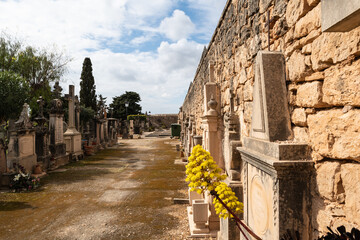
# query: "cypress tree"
[[87, 86]]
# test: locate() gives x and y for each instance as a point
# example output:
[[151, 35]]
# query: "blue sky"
[[148, 46]]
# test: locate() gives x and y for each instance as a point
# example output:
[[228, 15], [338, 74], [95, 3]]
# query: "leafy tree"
[[39, 67], [87, 86], [118, 105], [14, 92]]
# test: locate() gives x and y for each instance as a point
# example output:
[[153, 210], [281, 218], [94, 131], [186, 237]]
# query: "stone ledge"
[[277, 150]]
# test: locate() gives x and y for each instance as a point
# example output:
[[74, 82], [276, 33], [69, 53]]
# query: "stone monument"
[[72, 136], [21, 148], [276, 174], [59, 156]]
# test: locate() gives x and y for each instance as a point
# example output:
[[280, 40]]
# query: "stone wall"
[[323, 87], [162, 120]]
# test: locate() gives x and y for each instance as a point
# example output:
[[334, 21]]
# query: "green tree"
[[39, 67], [87, 86], [14, 92], [118, 105]]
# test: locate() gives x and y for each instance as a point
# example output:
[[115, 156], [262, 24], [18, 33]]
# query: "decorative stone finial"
[[212, 104]]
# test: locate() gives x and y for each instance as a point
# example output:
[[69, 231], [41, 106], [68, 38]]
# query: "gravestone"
[[21, 148], [56, 127], [276, 174], [72, 137]]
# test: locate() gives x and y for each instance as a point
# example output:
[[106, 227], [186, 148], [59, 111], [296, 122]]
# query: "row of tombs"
[[270, 173], [49, 143]]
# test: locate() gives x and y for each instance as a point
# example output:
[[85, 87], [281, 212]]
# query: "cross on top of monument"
[[71, 95]]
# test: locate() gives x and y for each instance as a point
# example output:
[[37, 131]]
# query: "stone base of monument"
[[195, 231], [277, 180], [60, 161], [73, 145], [28, 162]]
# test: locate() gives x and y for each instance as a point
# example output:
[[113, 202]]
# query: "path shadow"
[[12, 206]]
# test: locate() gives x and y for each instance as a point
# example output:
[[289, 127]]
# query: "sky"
[[151, 47]]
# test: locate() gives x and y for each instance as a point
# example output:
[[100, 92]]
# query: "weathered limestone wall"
[[323, 85], [161, 120]]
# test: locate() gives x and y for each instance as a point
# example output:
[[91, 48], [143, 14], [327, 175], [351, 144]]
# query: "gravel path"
[[124, 192]]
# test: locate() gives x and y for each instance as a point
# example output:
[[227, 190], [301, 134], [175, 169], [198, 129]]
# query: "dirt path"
[[121, 193]]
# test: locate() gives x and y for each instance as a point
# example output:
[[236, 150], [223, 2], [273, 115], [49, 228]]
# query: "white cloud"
[[100, 29], [178, 26]]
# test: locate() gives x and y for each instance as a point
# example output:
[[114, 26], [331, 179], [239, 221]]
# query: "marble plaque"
[[59, 131], [77, 143], [261, 213], [26, 146]]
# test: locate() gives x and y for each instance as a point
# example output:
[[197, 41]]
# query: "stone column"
[[72, 136]]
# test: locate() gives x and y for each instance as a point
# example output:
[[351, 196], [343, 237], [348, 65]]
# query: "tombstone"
[[72, 137], [276, 178], [56, 127], [42, 140], [21, 148]]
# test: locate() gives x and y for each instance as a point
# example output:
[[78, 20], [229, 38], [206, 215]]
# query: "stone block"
[[310, 95], [325, 179], [264, 5], [339, 15], [298, 70], [332, 48], [315, 76], [301, 134], [334, 134], [295, 10], [350, 176], [308, 23], [342, 85], [298, 117], [248, 91], [278, 150], [313, 3], [279, 8]]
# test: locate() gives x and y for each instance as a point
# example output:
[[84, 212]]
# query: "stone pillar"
[[276, 178], [72, 136]]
